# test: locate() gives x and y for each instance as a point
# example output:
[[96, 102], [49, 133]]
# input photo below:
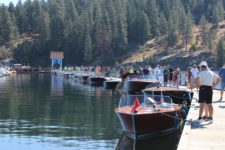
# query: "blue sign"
[[57, 60]]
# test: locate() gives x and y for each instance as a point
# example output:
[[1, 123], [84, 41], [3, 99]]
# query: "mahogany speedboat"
[[148, 117], [136, 83], [97, 80], [178, 95], [111, 83]]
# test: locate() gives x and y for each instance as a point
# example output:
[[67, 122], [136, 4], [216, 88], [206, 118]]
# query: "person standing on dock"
[[222, 76], [170, 75], [176, 77], [194, 73], [189, 78], [165, 75], [206, 81]]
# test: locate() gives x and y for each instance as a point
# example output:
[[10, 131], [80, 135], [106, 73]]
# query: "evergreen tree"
[[153, 13], [41, 21], [120, 40], [163, 24], [218, 12], [143, 26], [56, 14], [6, 28], [20, 16], [203, 24], [88, 51], [131, 23], [29, 23], [220, 53]]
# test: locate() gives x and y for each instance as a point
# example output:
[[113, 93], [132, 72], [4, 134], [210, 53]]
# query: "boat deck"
[[204, 135]]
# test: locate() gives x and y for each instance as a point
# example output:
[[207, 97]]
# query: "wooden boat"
[[178, 95], [95, 80], [111, 83], [135, 84], [149, 121]]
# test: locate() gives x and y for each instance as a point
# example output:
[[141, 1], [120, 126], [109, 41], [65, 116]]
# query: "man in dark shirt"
[[146, 71], [165, 75], [170, 74], [222, 76]]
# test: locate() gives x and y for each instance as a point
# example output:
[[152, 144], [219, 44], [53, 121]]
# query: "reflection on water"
[[39, 111], [166, 142], [57, 86]]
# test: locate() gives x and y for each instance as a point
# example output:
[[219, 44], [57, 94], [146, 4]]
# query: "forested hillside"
[[105, 30]]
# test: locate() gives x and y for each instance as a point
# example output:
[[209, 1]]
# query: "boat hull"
[[136, 86], [111, 84], [96, 81], [146, 125]]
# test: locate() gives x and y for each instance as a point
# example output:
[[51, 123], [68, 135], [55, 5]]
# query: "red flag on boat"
[[136, 104]]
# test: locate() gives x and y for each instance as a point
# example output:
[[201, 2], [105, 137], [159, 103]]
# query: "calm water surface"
[[40, 111]]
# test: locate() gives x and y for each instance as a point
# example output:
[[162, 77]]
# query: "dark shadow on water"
[[165, 142]]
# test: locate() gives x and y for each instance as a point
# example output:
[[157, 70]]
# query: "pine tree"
[[20, 16], [120, 40], [56, 14], [163, 24], [220, 53], [88, 51], [153, 13], [40, 20], [218, 12], [6, 28], [29, 23], [203, 24], [131, 22], [143, 26]]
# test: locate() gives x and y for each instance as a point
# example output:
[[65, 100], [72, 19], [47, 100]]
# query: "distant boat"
[[4, 71], [111, 83], [97, 80], [148, 121], [136, 83]]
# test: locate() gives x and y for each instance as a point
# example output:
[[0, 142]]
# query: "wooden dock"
[[32, 70], [204, 135]]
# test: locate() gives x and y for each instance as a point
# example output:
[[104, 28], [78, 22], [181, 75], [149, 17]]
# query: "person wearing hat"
[[206, 81], [222, 76]]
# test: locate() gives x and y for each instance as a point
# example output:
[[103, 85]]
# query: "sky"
[[6, 2]]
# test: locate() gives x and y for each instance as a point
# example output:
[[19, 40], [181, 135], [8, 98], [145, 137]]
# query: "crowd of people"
[[167, 75]]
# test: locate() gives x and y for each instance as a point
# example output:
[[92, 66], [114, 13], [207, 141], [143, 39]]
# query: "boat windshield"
[[145, 101], [141, 77]]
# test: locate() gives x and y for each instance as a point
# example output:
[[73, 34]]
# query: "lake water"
[[39, 111], [44, 112]]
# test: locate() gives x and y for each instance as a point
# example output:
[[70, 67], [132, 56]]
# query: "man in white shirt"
[[206, 81], [194, 74]]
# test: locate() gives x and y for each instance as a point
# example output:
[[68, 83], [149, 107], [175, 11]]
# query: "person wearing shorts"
[[206, 81]]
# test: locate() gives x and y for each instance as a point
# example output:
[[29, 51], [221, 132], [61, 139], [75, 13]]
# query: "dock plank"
[[204, 135]]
